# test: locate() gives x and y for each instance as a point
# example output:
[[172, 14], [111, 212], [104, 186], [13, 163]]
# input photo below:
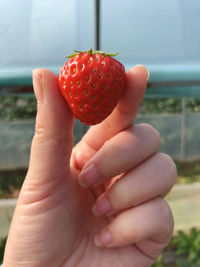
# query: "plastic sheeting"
[[38, 33], [15, 138], [41, 33], [152, 32]]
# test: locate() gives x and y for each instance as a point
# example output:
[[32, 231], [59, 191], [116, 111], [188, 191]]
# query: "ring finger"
[[152, 178], [140, 226]]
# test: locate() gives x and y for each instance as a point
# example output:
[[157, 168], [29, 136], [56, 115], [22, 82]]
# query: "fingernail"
[[102, 207], [38, 86], [89, 176], [104, 239], [95, 212], [145, 69]]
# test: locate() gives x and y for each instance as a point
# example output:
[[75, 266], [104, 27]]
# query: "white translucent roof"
[[160, 34]]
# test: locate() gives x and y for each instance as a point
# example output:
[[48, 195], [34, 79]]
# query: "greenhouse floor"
[[183, 199]]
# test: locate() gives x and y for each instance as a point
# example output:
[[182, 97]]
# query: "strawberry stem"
[[92, 52]]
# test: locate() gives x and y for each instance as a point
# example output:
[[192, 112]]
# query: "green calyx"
[[92, 52]]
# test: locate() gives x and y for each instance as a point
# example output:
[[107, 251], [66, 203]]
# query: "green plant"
[[185, 263], [188, 246], [188, 171], [20, 108], [11, 181], [168, 105], [2, 248], [17, 108], [160, 105], [159, 262]]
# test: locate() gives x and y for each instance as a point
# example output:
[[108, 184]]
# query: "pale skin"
[[64, 217]]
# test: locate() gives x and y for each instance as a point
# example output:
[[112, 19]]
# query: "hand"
[[123, 178]]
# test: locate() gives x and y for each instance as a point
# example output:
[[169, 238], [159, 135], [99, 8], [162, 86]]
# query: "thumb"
[[46, 183], [53, 139]]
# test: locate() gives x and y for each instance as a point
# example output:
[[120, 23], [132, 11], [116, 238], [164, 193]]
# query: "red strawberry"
[[92, 83]]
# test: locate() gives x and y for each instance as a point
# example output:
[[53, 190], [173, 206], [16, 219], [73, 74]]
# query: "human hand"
[[53, 224]]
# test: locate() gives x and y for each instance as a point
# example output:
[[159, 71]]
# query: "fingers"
[[152, 178], [122, 152], [140, 224], [52, 142], [121, 118]]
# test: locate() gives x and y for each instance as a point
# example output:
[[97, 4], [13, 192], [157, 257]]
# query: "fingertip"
[[104, 239], [143, 69], [95, 212], [140, 70], [38, 86], [44, 84], [96, 241], [44, 72]]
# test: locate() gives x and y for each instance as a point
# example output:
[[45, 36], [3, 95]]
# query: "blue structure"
[[160, 34]]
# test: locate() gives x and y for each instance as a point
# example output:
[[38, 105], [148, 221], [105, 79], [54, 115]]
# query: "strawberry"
[[92, 83]]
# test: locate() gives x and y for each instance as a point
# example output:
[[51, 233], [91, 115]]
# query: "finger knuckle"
[[150, 128], [40, 132], [168, 164], [118, 196], [152, 132], [44, 135], [167, 219]]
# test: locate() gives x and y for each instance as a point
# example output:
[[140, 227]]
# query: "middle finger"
[[120, 154]]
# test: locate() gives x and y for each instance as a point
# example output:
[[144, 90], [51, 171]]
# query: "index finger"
[[121, 118]]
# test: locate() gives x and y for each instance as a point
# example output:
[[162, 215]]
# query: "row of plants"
[[20, 108], [11, 180], [2, 248], [183, 250]]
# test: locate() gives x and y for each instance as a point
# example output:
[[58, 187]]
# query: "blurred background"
[[163, 35]]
